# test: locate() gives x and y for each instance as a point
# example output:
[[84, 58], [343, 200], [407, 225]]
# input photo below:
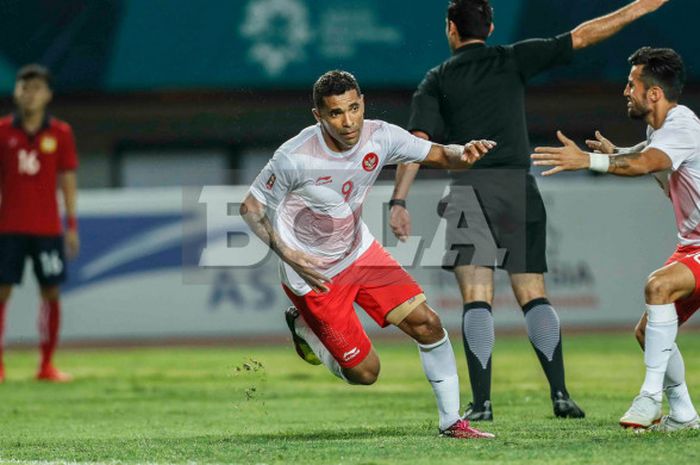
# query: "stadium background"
[[165, 94]]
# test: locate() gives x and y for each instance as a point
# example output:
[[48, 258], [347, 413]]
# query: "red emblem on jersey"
[[369, 163], [271, 181]]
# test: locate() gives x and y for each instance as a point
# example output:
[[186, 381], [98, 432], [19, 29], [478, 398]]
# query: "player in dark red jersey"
[[37, 153]]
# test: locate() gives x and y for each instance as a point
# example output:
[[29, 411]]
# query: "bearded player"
[[315, 186], [672, 153]]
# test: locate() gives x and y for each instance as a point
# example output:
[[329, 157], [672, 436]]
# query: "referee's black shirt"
[[479, 93]]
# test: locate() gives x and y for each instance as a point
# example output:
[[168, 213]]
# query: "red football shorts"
[[689, 256], [378, 284]]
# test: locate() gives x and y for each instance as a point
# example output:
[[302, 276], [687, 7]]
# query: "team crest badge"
[[370, 162], [271, 182], [48, 144]]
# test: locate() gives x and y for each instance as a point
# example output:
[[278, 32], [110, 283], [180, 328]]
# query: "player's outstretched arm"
[[598, 29], [454, 157], [602, 145], [569, 157], [253, 212]]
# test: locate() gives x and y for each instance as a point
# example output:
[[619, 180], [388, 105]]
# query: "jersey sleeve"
[[404, 147], [533, 56], [68, 155], [676, 142], [274, 181], [425, 106]]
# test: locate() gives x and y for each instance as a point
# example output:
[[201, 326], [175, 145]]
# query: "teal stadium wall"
[[135, 45]]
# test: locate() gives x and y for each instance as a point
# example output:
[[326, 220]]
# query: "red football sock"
[[2, 329], [49, 322]]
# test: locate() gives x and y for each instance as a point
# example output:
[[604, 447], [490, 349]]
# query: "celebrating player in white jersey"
[[672, 153], [306, 205]]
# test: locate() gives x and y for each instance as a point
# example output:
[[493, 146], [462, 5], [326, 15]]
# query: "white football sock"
[[660, 335], [303, 330], [682, 408], [440, 367]]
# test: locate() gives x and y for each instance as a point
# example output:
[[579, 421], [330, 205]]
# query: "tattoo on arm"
[[453, 152], [261, 226], [622, 162]]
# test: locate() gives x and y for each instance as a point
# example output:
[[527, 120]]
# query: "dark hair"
[[663, 67], [473, 18], [334, 82], [32, 71]]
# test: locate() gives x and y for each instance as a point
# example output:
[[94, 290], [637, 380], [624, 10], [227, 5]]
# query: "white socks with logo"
[[440, 367], [660, 337], [681, 406]]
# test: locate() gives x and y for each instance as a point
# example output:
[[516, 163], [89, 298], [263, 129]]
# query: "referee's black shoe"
[[565, 407], [475, 413]]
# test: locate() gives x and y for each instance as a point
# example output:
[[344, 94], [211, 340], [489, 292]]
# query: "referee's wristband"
[[399, 202], [599, 162]]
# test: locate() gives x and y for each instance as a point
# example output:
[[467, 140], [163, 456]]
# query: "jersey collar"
[[17, 122], [346, 154], [472, 46]]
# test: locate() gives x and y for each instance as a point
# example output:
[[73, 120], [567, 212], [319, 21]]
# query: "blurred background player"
[[480, 90], [306, 205], [672, 293], [37, 152]]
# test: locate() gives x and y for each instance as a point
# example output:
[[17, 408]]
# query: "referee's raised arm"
[[598, 29]]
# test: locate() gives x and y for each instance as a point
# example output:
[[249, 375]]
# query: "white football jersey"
[[314, 195], [679, 138]]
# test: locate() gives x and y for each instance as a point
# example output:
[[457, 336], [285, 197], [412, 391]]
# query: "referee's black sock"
[[544, 331], [478, 336]]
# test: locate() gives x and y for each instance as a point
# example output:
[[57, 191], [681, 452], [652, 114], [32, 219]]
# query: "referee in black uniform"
[[480, 93]]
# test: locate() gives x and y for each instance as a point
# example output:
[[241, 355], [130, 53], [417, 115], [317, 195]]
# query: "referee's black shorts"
[[495, 218]]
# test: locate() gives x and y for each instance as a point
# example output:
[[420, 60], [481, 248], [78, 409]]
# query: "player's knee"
[[50, 293], [427, 328], [364, 376], [658, 289], [5, 292]]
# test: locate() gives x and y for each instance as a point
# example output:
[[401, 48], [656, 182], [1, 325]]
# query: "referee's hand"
[[652, 5]]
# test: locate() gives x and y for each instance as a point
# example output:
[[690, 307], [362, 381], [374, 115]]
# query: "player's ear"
[[491, 29], [316, 114], [655, 94], [452, 28]]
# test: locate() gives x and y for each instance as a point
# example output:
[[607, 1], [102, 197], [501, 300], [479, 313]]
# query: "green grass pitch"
[[263, 405]]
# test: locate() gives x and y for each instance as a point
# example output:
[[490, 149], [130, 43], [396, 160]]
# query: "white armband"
[[599, 162]]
